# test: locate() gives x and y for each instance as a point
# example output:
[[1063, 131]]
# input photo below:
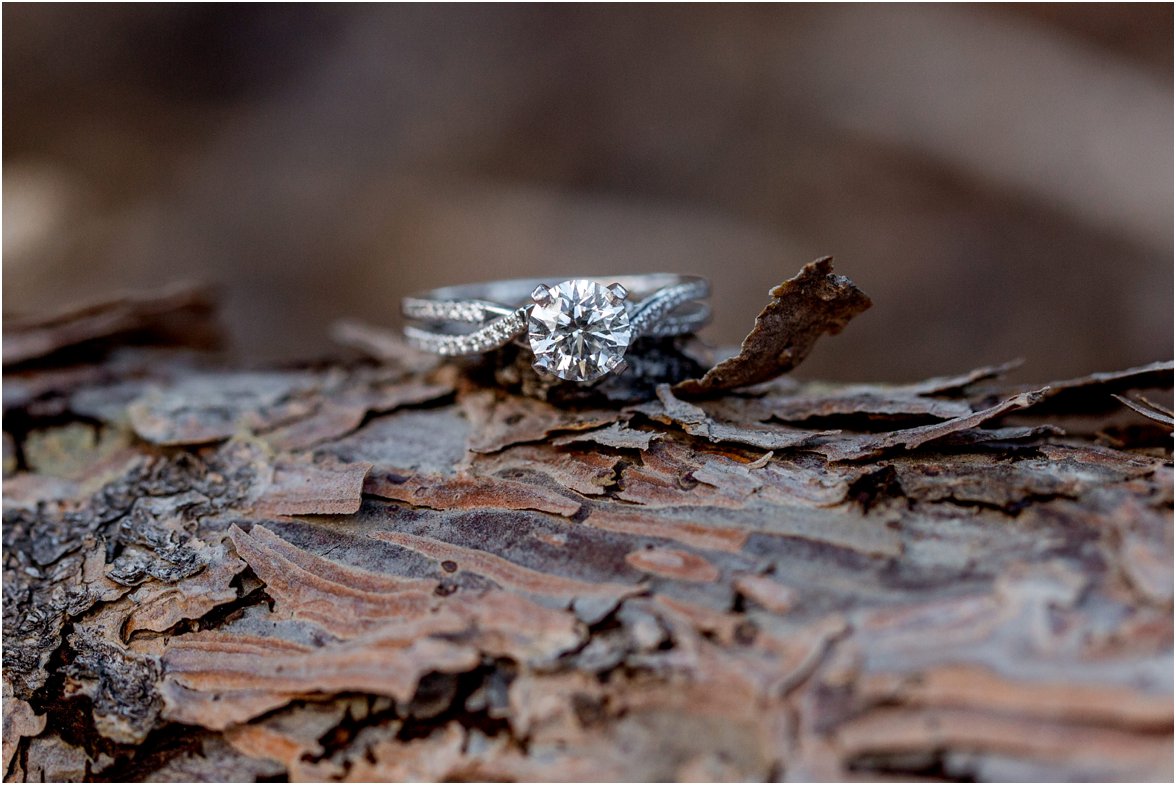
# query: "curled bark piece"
[[467, 493], [159, 606], [950, 385], [616, 436], [178, 314], [867, 406], [502, 420], [311, 588], [1148, 409], [217, 679], [587, 472], [300, 486], [1092, 393], [867, 445], [694, 420], [802, 309]]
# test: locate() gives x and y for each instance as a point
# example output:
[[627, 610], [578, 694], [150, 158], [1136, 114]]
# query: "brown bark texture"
[[386, 567]]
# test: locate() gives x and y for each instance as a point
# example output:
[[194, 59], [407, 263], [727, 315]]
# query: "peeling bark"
[[802, 309], [386, 570]]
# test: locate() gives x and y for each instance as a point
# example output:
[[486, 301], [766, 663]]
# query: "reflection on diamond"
[[580, 333]]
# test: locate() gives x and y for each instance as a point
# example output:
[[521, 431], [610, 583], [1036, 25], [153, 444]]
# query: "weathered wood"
[[394, 570]]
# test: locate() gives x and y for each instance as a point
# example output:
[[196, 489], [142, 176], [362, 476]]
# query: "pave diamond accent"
[[579, 331], [468, 312], [494, 334]]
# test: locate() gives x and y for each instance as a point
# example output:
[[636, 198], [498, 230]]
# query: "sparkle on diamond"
[[580, 335]]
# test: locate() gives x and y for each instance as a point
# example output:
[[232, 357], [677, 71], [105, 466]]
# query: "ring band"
[[578, 329]]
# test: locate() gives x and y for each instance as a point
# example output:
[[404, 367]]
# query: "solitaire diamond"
[[579, 330]]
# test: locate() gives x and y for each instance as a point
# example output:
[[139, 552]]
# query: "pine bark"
[[388, 568]]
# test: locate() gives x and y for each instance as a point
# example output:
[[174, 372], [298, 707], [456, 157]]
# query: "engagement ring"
[[578, 330]]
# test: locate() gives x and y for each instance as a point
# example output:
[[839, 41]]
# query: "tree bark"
[[388, 568]]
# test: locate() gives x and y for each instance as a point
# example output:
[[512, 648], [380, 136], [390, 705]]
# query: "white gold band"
[[659, 305]]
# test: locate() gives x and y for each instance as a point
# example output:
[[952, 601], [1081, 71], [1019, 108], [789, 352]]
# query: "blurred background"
[[998, 178]]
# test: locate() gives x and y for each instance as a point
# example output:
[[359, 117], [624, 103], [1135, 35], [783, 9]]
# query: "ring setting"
[[578, 330]]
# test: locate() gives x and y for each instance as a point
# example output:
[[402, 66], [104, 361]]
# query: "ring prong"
[[618, 292], [621, 367], [542, 294], [543, 374]]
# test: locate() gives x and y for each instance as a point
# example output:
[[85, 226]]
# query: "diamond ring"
[[578, 330]]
